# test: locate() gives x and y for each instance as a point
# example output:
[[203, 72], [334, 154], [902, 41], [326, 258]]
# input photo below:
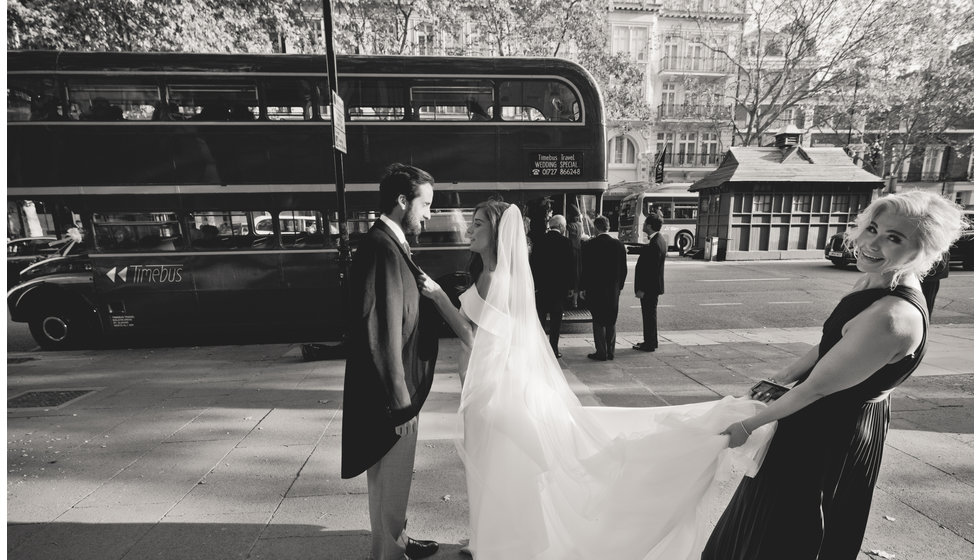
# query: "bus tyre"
[[684, 241], [59, 329]]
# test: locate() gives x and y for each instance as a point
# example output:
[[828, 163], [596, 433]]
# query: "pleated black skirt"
[[811, 498]]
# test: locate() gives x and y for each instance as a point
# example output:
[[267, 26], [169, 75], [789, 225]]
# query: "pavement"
[[208, 453]]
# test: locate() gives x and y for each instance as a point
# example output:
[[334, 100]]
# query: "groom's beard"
[[411, 222]]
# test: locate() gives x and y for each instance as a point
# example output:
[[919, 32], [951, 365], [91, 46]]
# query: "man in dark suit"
[[553, 268], [649, 280], [603, 278], [386, 382]]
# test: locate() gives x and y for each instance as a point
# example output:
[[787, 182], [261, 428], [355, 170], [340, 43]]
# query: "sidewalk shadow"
[[175, 540]]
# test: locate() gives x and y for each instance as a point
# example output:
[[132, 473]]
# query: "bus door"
[[310, 298], [141, 279]]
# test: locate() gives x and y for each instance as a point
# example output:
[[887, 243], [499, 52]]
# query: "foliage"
[[565, 28], [159, 25], [795, 51], [899, 109]]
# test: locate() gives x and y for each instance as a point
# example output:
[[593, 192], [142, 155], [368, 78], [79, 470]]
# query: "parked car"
[[960, 253], [25, 251]]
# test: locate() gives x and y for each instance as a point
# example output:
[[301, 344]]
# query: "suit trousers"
[[389, 481], [648, 306], [605, 339], [551, 306]]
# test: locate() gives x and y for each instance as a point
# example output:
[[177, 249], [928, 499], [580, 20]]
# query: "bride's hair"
[[495, 210]]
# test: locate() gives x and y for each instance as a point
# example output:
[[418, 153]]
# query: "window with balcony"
[[632, 40], [621, 150]]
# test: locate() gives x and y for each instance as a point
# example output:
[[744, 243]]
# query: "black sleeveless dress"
[[811, 498]]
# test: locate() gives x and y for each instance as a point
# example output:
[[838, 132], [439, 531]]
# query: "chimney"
[[788, 137]]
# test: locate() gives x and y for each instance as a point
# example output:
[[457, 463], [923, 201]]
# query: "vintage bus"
[[678, 207], [203, 183]]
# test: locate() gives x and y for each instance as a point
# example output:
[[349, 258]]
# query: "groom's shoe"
[[420, 549], [643, 347], [596, 356]]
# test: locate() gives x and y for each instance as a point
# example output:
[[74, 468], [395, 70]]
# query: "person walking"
[[649, 280], [553, 267], [603, 278], [386, 382]]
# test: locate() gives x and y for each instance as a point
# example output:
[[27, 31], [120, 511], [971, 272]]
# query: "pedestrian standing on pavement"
[[386, 381], [811, 498], [603, 278], [648, 281], [553, 267], [930, 284]]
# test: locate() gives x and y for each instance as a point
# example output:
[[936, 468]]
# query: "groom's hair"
[[400, 179]]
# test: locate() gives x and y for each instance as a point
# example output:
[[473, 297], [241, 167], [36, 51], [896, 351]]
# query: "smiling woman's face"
[[887, 242], [480, 232]]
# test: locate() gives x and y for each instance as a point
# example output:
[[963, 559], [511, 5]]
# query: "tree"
[[159, 25], [794, 51], [565, 28], [899, 110]]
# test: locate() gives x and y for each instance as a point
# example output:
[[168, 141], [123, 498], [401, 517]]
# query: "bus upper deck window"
[[32, 99], [539, 100], [288, 100], [370, 99], [111, 100], [215, 102]]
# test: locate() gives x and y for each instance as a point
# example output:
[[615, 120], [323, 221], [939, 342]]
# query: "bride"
[[548, 478]]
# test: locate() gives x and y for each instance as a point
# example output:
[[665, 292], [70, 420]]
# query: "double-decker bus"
[[678, 207], [202, 184]]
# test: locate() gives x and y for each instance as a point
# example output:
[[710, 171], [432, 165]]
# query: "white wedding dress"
[[550, 479]]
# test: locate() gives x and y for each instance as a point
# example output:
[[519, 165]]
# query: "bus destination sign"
[[555, 165]]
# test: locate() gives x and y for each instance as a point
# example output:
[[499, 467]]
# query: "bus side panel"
[[312, 301], [142, 293]]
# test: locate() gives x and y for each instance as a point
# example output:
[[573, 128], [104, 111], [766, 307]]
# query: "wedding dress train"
[[548, 478]]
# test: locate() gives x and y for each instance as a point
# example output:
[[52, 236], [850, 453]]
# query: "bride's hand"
[[737, 434], [428, 287]]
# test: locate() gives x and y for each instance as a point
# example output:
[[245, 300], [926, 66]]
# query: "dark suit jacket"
[[552, 265], [603, 276], [383, 340], [650, 266]]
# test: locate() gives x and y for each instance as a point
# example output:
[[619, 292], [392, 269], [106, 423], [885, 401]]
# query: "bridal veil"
[[550, 479]]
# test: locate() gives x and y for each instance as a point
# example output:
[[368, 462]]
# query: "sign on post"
[[339, 126]]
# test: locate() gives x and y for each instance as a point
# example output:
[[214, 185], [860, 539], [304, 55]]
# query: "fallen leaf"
[[445, 498], [882, 554], [890, 518]]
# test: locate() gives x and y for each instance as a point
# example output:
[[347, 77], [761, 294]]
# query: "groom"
[[386, 381]]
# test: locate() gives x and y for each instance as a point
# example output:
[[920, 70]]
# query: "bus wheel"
[[58, 329], [684, 241]]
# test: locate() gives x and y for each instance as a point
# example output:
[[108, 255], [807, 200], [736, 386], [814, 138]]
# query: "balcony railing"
[[696, 64], [691, 160], [694, 112]]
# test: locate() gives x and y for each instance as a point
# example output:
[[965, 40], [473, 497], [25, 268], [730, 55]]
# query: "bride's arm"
[[457, 321]]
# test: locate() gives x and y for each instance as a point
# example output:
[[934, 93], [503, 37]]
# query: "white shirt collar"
[[397, 229]]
